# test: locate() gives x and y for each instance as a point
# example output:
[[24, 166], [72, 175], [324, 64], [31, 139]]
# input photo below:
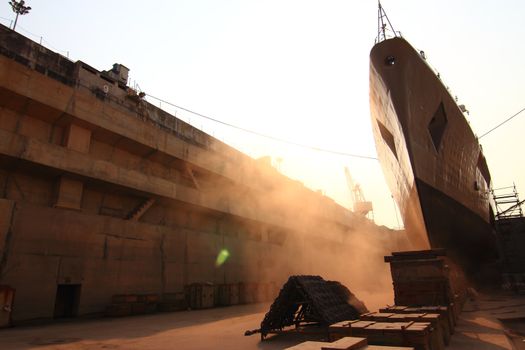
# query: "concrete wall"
[[172, 245], [108, 256]]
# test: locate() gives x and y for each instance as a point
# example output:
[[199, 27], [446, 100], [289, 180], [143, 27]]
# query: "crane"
[[360, 205]]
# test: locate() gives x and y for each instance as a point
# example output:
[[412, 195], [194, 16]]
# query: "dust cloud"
[[310, 234]]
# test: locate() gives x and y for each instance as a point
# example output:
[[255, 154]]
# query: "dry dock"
[[110, 205]]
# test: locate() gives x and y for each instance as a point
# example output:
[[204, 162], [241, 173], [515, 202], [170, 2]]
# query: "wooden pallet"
[[444, 311], [419, 335], [439, 323], [346, 343]]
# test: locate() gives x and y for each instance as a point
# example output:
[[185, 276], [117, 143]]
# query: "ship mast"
[[383, 24]]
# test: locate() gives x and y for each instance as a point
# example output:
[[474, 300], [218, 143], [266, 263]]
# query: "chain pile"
[[310, 300]]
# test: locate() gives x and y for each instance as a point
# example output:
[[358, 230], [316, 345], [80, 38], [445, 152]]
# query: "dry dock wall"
[[106, 193], [108, 256]]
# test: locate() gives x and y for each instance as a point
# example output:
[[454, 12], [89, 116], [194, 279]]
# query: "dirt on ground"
[[487, 323]]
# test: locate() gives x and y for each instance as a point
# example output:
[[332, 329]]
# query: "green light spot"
[[224, 254]]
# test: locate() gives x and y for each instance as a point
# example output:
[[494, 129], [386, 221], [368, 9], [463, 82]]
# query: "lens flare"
[[223, 255]]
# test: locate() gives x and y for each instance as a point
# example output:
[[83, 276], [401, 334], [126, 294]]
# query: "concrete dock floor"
[[479, 327], [491, 322]]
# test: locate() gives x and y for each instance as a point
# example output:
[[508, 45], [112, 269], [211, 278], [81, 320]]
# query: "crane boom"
[[360, 205]]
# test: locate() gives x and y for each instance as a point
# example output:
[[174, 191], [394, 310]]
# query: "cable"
[[318, 149], [500, 124]]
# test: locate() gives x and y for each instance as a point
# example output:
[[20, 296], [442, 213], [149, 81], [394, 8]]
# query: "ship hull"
[[454, 226], [431, 159]]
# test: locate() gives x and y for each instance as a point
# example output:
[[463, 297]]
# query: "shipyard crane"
[[360, 205]]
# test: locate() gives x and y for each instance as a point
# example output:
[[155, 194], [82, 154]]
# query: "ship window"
[[437, 126], [483, 168], [476, 186], [387, 137], [390, 60]]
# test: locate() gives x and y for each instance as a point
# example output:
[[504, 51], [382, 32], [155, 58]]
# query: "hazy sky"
[[298, 70]]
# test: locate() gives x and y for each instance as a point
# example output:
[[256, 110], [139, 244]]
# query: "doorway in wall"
[[66, 301]]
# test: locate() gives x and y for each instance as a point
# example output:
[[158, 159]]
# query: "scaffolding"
[[510, 230], [507, 202]]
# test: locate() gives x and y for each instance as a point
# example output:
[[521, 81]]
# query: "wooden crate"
[[415, 334], [422, 292], [172, 306], [307, 345], [148, 298], [124, 298], [377, 316], [427, 278], [381, 333], [173, 302], [234, 294], [445, 312], [228, 294], [342, 329], [421, 335], [200, 295], [347, 343], [438, 322], [141, 308], [418, 269], [173, 297], [118, 310]]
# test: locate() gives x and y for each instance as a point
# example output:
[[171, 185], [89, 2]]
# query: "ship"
[[431, 158]]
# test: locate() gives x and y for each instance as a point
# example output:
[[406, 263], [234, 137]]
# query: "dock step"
[[136, 214]]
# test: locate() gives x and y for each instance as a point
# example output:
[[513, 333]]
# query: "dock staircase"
[[137, 213]]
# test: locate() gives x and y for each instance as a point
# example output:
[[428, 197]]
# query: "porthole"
[[390, 60]]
